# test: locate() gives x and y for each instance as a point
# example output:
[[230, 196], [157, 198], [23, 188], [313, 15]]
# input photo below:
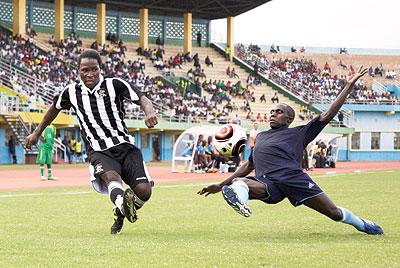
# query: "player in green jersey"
[[45, 154]]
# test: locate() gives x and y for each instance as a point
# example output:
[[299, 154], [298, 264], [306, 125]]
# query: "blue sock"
[[242, 190], [350, 218]]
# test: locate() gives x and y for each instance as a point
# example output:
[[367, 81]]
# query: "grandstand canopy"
[[202, 9]]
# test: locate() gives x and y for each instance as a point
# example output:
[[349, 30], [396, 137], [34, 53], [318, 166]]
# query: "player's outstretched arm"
[[242, 171], [338, 102], [151, 118], [50, 115]]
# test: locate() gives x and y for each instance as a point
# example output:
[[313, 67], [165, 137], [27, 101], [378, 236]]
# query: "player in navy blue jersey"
[[276, 159]]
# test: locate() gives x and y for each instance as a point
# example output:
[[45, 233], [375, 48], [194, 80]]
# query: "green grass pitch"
[[70, 227]]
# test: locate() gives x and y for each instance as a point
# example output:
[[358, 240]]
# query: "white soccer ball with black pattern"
[[230, 140]]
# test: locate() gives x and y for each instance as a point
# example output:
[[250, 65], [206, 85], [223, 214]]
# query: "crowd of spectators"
[[52, 68], [304, 78], [380, 71]]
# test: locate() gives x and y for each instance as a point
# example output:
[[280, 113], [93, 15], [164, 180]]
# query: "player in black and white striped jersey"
[[98, 103]]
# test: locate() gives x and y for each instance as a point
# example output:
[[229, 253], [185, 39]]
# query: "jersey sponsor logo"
[[310, 185], [98, 168]]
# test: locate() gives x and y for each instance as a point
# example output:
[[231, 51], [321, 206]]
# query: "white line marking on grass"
[[81, 193], [351, 173], [42, 194], [18, 195]]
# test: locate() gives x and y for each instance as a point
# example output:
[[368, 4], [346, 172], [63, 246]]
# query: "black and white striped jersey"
[[100, 110]]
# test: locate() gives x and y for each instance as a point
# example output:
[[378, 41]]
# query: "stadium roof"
[[201, 9]]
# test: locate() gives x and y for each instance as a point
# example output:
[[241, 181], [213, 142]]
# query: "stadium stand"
[[318, 78], [217, 89]]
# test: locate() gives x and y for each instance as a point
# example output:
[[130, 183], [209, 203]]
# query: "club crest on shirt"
[[102, 93]]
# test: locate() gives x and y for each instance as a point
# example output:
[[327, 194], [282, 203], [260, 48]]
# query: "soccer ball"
[[230, 140]]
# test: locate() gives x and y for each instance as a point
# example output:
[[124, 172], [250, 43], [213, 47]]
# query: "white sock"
[[242, 190], [116, 191]]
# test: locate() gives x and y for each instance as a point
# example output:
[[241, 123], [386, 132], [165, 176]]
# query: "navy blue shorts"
[[296, 188]]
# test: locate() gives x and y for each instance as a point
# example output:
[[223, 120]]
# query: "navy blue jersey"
[[277, 153]]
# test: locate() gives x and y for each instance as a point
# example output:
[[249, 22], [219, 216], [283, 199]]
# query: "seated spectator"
[[378, 71], [320, 155], [166, 70], [272, 49], [341, 65], [253, 96], [52, 41], [114, 39], [208, 62], [202, 74], [160, 52], [263, 99], [371, 71], [187, 57], [275, 98], [196, 61], [228, 71], [327, 67], [158, 64], [293, 50], [158, 41], [330, 157], [255, 69], [152, 54], [250, 116], [216, 159], [228, 53], [251, 81], [233, 74], [176, 61], [30, 32], [302, 50], [188, 151], [139, 51], [94, 46], [390, 74], [190, 74], [340, 118], [236, 119], [258, 117]]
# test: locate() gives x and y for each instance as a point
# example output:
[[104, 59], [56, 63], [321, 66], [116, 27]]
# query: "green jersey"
[[49, 134]]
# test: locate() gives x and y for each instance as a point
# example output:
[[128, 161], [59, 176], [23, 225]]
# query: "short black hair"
[[89, 54], [290, 111]]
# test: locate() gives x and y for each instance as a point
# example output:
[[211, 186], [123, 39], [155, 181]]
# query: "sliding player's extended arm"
[[242, 171], [341, 98]]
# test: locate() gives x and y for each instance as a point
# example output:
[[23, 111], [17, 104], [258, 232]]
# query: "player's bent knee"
[[143, 191]]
